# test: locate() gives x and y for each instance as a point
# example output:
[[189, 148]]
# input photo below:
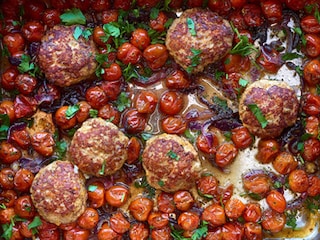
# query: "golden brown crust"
[[65, 60], [58, 192], [171, 163], [214, 37], [278, 103], [99, 145]]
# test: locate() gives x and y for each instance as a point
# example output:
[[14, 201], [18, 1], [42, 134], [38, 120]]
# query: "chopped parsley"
[[221, 102], [313, 203], [291, 219], [161, 183], [93, 113], [191, 135], [123, 101], [27, 66], [5, 124], [142, 183], [290, 56], [201, 231], [73, 16], [92, 188], [85, 33], [154, 13], [3, 206], [72, 111], [243, 47], [218, 75], [130, 72], [173, 155], [146, 136], [300, 33], [61, 149], [195, 59], [36, 222], [103, 167], [191, 27], [258, 114], [243, 82]]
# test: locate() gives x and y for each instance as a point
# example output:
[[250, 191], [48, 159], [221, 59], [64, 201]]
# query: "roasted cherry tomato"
[[208, 185], [214, 214], [140, 208], [8, 197], [312, 47], [298, 181], [276, 201], [268, 149], [134, 147], [88, 219], [174, 125], [273, 221], [25, 83], [285, 163], [188, 221], [146, 102], [225, 154], [311, 72], [24, 207], [156, 55], [312, 126], [158, 23], [138, 231], [23, 180], [171, 102], [134, 121], [272, 10], [76, 233], [177, 80], [96, 97], [207, 143], [252, 230], [165, 202], [8, 78], [236, 63], [112, 73], [258, 183], [106, 232], [158, 219], [9, 153], [311, 149], [140, 38], [128, 53], [7, 178], [109, 113], [43, 143], [310, 24], [51, 17], [312, 104], [117, 195], [183, 200], [14, 42], [252, 212], [96, 195], [101, 5], [241, 137], [119, 223], [252, 15], [234, 208], [33, 31]]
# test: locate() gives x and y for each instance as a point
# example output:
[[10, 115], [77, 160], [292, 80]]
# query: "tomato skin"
[[8, 197], [158, 24], [268, 150], [7, 178], [241, 137], [298, 181], [23, 180], [252, 212], [97, 34], [171, 102], [119, 223], [252, 15], [76, 233], [177, 80], [311, 150], [253, 231], [133, 121], [8, 78], [257, 183], [140, 208], [158, 219], [238, 3], [138, 231], [134, 148], [207, 143], [311, 72], [183, 200], [295, 4], [273, 221], [106, 232], [109, 113], [96, 97], [272, 10], [51, 17], [140, 38], [225, 154], [111, 89], [156, 55], [208, 185], [310, 24], [112, 73], [234, 208], [161, 233], [188, 221], [33, 31], [314, 186], [100, 5], [7, 107], [9, 153], [24, 207], [312, 126], [96, 197], [269, 60], [14, 42], [43, 143], [109, 16], [117, 195], [174, 125], [25, 83], [237, 19], [276, 201], [311, 104], [88, 219], [24, 106], [285, 163], [61, 119], [221, 7], [146, 102], [214, 214], [128, 53], [6, 215], [24, 230], [84, 111], [34, 10], [312, 47], [165, 202], [236, 63]]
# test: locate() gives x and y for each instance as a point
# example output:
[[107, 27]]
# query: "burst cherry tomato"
[[108, 16], [76, 233], [171, 102], [298, 181], [252, 212], [119, 223], [96, 195], [7, 178], [101, 5], [272, 10], [156, 55], [188, 221], [269, 60], [268, 149], [295, 4], [6, 215], [9, 153], [134, 147], [183, 200], [138, 231], [214, 214], [310, 24], [285, 163], [111, 89], [146, 102], [177, 80], [311, 72], [140, 38], [23, 180], [34, 10], [24, 106], [33, 31], [109, 113], [112, 73], [221, 7], [207, 143], [14, 42], [273, 221], [158, 219], [88, 219], [134, 121], [312, 104], [43, 143], [312, 126], [24, 207], [234, 208], [252, 15], [7, 107], [158, 23], [96, 97], [165, 202], [208, 185], [241, 137], [84, 111], [276, 201], [174, 125], [252, 230], [236, 63], [161, 233], [258, 183], [140, 208], [314, 186], [51, 17], [312, 47], [25, 83], [8, 197], [64, 121], [128, 53], [106, 232], [8, 78], [225, 154], [311, 149], [117, 195]]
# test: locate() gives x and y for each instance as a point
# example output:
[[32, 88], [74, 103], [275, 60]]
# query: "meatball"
[[98, 147], [65, 60], [171, 163], [197, 38], [58, 192], [275, 102]]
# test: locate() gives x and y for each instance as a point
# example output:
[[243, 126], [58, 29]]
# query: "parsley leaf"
[[191, 27], [72, 111], [93, 113], [5, 124], [291, 219], [195, 59], [73, 16], [130, 72], [26, 65], [123, 102], [61, 149], [191, 135], [142, 183], [103, 167], [36, 222], [154, 13], [300, 33], [85, 33], [173, 155], [290, 56], [258, 114], [243, 47], [146, 136], [243, 82], [92, 188], [200, 232], [221, 102], [161, 183]]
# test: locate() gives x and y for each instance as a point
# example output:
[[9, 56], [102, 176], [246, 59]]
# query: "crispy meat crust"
[[278, 103], [171, 163], [214, 37], [58, 192], [99, 145], [65, 60]]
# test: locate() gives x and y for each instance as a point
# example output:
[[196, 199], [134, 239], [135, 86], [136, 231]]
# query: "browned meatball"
[[64, 59], [99, 148], [58, 192], [171, 163], [212, 37], [276, 101]]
